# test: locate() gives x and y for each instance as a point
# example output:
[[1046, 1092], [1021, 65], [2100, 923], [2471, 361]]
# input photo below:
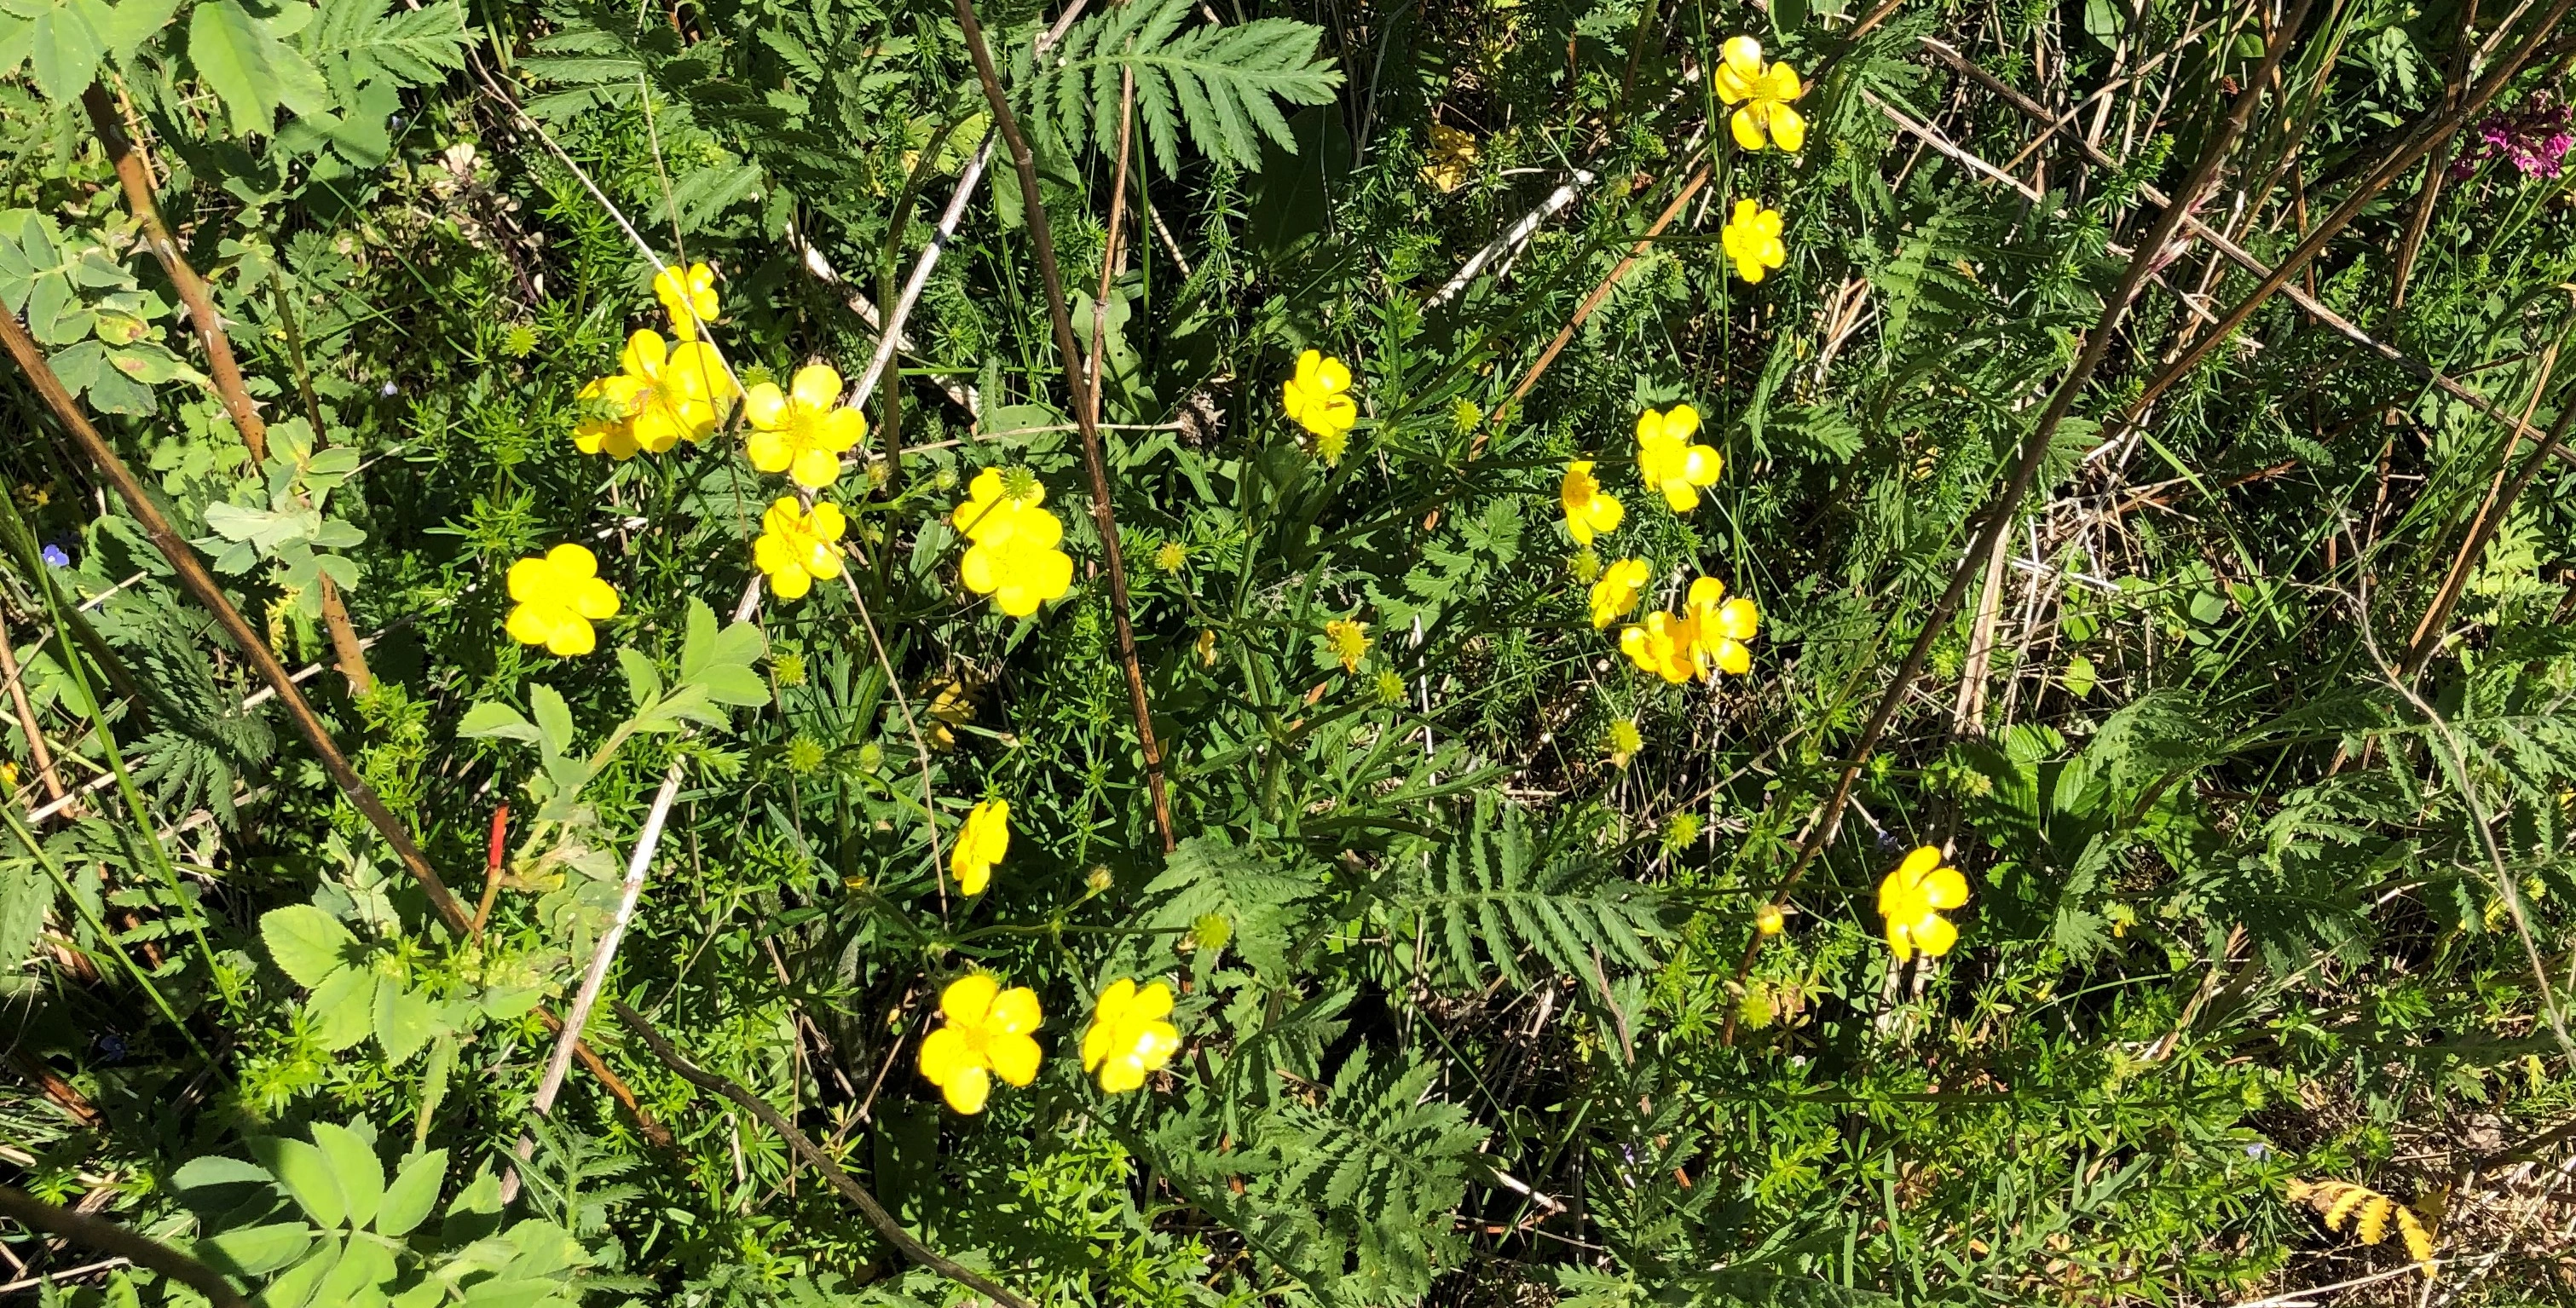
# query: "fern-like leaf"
[[1221, 86], [1497, 896]]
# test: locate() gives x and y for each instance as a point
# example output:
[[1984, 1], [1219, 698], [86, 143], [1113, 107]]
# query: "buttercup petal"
[[977, 571], [1934, 935], [529, 579], [967, 1091], [573, 562], [1746, 127], [1945, 888], [644, 354], [594, 599], [944, 1055], [1122, 1075], [1738, 619], [1014, 1058], [527, 626], [968, 998], [840, 429], [764, 405], [1015, 1011], [817, 387], [1788, 130], [572, 637], [768, 450], [814, 468], [1917, 864]]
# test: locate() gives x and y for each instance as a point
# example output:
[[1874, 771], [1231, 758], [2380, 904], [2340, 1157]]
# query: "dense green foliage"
[[2268, 886]]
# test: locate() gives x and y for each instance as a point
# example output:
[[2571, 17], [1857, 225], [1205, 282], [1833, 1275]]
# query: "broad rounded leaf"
[[295, 1288], [254, 1250], [215, 1170]]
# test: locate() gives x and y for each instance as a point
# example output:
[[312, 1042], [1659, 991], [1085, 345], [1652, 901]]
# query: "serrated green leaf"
[[643, 681], [698, 644], [554, 719], [216, 1170], [354, 1165], [64, 51], [344, 1008], [311, 1179], [125, 25], [236, 56], [295, 1287], [404, 1021], [307, 943], [412, 1195], [498, 720]]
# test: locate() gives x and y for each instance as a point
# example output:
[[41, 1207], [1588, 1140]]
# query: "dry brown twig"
[[135, 176], [1086, 408]]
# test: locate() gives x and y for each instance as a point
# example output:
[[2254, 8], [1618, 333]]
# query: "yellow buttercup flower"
[[1589, 510], [1130, 1034], [559, 595], [804, 430], [1667, 460], [1765, 91], [1910, 899], [1769, 920], [1752, 240], [796, 548], [1720, 628], [1451, 157], [1318, 398], [1616, 593], [1661, 645], [664, 392], [688, 295], [981, 841], [985, 1034], [1012, 556], [1349, 640]]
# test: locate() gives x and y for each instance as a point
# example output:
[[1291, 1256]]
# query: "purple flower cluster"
[[2535, 139]]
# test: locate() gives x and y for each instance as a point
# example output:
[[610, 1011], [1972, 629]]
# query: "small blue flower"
[[55, 558], [112, 1047]]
